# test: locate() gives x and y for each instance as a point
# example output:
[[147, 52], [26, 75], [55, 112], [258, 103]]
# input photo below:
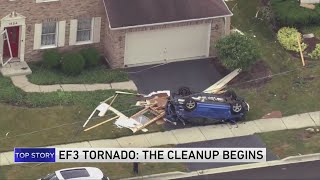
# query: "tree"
[[237, 51], [288, 38]]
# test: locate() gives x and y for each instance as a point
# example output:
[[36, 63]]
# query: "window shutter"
[[96, 29], [73, 32], [37, 36], [61, 33], [1, 46]]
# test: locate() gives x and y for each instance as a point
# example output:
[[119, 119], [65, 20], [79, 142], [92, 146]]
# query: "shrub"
[[51, 58], [237, 51], [315, 54], [91, 56], [72, 63], [288, 38], [289, 13]]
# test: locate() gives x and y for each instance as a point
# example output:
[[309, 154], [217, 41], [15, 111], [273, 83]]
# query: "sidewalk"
[[23, 83], [194, 134]]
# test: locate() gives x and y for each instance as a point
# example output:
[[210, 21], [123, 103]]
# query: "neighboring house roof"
[[131, 13]]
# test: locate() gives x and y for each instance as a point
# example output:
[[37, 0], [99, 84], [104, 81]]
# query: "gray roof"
[[125, 13]]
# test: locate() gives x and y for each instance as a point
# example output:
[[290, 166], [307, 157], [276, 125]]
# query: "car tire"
[[189, 104], [184, 91], [237, 107]]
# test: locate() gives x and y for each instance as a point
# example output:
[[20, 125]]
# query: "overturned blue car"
[[205, 108]]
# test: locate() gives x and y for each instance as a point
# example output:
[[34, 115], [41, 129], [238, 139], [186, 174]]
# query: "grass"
[[112, 170], [289, 13], [289, 93], [292, 142], [44, 76], [38, 111], [312, 29]]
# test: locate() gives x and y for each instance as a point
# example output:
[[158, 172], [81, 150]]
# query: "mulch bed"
[[255, 77], [311, 44], [259, 71]]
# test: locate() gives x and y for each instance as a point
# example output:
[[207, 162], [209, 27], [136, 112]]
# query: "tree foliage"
[[288, 38], [315, 54], [72, 63], [237, 51]]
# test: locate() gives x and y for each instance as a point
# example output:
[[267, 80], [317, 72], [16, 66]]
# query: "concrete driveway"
[[196, 74]]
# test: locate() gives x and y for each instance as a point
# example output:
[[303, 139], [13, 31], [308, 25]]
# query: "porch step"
[[15, 69]]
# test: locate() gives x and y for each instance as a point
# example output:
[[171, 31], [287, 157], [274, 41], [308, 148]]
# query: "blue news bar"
[[34, 155]]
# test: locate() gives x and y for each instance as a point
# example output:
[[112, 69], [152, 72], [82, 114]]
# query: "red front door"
[[13, 34]]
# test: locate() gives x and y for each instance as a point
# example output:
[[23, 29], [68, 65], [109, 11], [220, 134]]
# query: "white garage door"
[[170, 44]]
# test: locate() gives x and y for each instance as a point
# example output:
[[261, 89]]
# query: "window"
[[84, 30], [49, 34]]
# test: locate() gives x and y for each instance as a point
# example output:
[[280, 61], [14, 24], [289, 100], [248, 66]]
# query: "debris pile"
[[154, 107]]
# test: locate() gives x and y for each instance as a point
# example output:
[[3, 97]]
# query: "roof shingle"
[[125, 13]]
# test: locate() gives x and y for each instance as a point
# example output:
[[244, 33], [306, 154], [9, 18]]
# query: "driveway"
[[196, 74]]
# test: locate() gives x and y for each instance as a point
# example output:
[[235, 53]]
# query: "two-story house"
[[126, 32]]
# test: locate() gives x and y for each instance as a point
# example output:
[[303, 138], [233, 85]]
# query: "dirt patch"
[[311, 45], [280, 150], [305, 135], [273, 114], [256, 76]]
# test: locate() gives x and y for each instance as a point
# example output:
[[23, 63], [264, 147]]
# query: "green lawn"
[[290, 13], [44, 76], [289, 93], [52, 110], [292, 142], [312, 29], [113, 170]]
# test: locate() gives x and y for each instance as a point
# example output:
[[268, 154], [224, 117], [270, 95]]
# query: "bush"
[[51, 58], [237, 51], [91, 56], [289, 13], [288, 38], [72, 63], [315, 54]]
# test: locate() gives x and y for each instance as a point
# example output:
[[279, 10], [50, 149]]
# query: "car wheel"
[[237, 107], [184, 91], [189, 104]]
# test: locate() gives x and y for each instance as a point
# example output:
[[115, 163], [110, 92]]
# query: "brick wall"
[[114, 43], [59, 11]]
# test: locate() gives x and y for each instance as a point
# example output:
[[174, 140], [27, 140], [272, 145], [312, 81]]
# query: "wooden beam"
[[218, 86], [99, 124], [150, 122], [140, 112], [108, 99], [300, 49]]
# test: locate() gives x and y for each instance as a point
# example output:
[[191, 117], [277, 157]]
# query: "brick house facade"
[[57, 11], [31, 15]]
